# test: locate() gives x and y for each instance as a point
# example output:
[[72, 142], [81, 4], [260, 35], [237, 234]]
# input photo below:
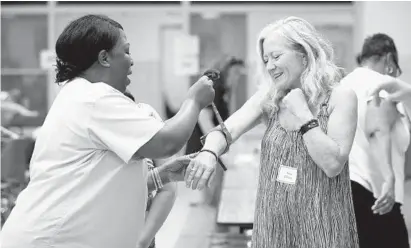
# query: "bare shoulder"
[[343, 96], [343, 93], [343, 113]]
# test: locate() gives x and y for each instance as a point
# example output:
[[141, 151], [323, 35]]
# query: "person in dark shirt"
[[231, 69]]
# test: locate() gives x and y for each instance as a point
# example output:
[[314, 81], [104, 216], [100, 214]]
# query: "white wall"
[[142, 26], [392, 18], [317, 15], [143, 33]]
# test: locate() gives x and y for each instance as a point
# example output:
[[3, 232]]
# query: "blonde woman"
[[304, 194]]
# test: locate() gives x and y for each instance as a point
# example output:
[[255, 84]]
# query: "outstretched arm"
[[244, 119], [205, 120], [396, 91], [203, 166]]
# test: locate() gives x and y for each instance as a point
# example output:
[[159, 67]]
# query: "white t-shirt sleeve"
[[122, 126]]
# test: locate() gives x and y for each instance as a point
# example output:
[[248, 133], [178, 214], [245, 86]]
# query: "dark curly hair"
[[79, 44], [223, 65], [378, 45]]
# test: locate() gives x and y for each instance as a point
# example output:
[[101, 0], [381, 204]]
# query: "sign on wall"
[[186, 55]]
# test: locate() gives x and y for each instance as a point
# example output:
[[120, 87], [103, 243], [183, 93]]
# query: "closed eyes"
[[275, 57]]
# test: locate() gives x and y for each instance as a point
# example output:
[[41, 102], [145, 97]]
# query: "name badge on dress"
[[287, 174]]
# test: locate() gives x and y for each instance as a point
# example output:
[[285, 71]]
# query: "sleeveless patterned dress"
[[315, 212]]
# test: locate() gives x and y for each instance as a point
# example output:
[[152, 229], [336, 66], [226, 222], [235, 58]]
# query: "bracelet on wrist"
[[308, 126], [227, 136], [157, 180], [153, 177], [211, 152], [216, 157]]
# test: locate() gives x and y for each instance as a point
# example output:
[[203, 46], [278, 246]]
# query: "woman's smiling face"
[[283, 64]]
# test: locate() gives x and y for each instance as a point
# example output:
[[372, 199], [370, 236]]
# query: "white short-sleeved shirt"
[[86, 190], [363, 168]]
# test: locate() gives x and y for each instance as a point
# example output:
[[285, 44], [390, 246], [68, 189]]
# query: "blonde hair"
[[320, 75]]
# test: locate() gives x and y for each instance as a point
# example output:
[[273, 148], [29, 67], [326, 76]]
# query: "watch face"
[[309, 125], [312, 124]]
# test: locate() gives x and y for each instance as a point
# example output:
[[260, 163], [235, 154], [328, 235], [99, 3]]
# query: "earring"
[[390, 70]]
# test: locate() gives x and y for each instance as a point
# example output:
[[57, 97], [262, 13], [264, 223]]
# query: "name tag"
[[287, 174]]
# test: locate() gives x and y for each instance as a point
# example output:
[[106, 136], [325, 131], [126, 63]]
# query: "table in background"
[[239, 189]]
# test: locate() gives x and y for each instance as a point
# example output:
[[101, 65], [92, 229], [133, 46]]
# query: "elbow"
[[335, 168], [332, 172], [379, 134], [170, 146], [170, 149]]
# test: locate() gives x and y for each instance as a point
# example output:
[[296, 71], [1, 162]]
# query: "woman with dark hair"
[[88, 180], [377, 157], [230, 69]]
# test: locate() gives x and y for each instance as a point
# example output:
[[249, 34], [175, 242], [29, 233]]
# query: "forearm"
[[158, 162], [244, 119], [215, 142], [180, 127], [14, 107], [237, 125], [407, 107], [407, 100], [205, 120], [324, 151], [159, 210], [163, 175], [380, 145], [174, 134], [9, 133]]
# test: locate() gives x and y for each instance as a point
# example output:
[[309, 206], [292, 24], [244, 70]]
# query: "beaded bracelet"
[[153, 177], [158, 178]]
